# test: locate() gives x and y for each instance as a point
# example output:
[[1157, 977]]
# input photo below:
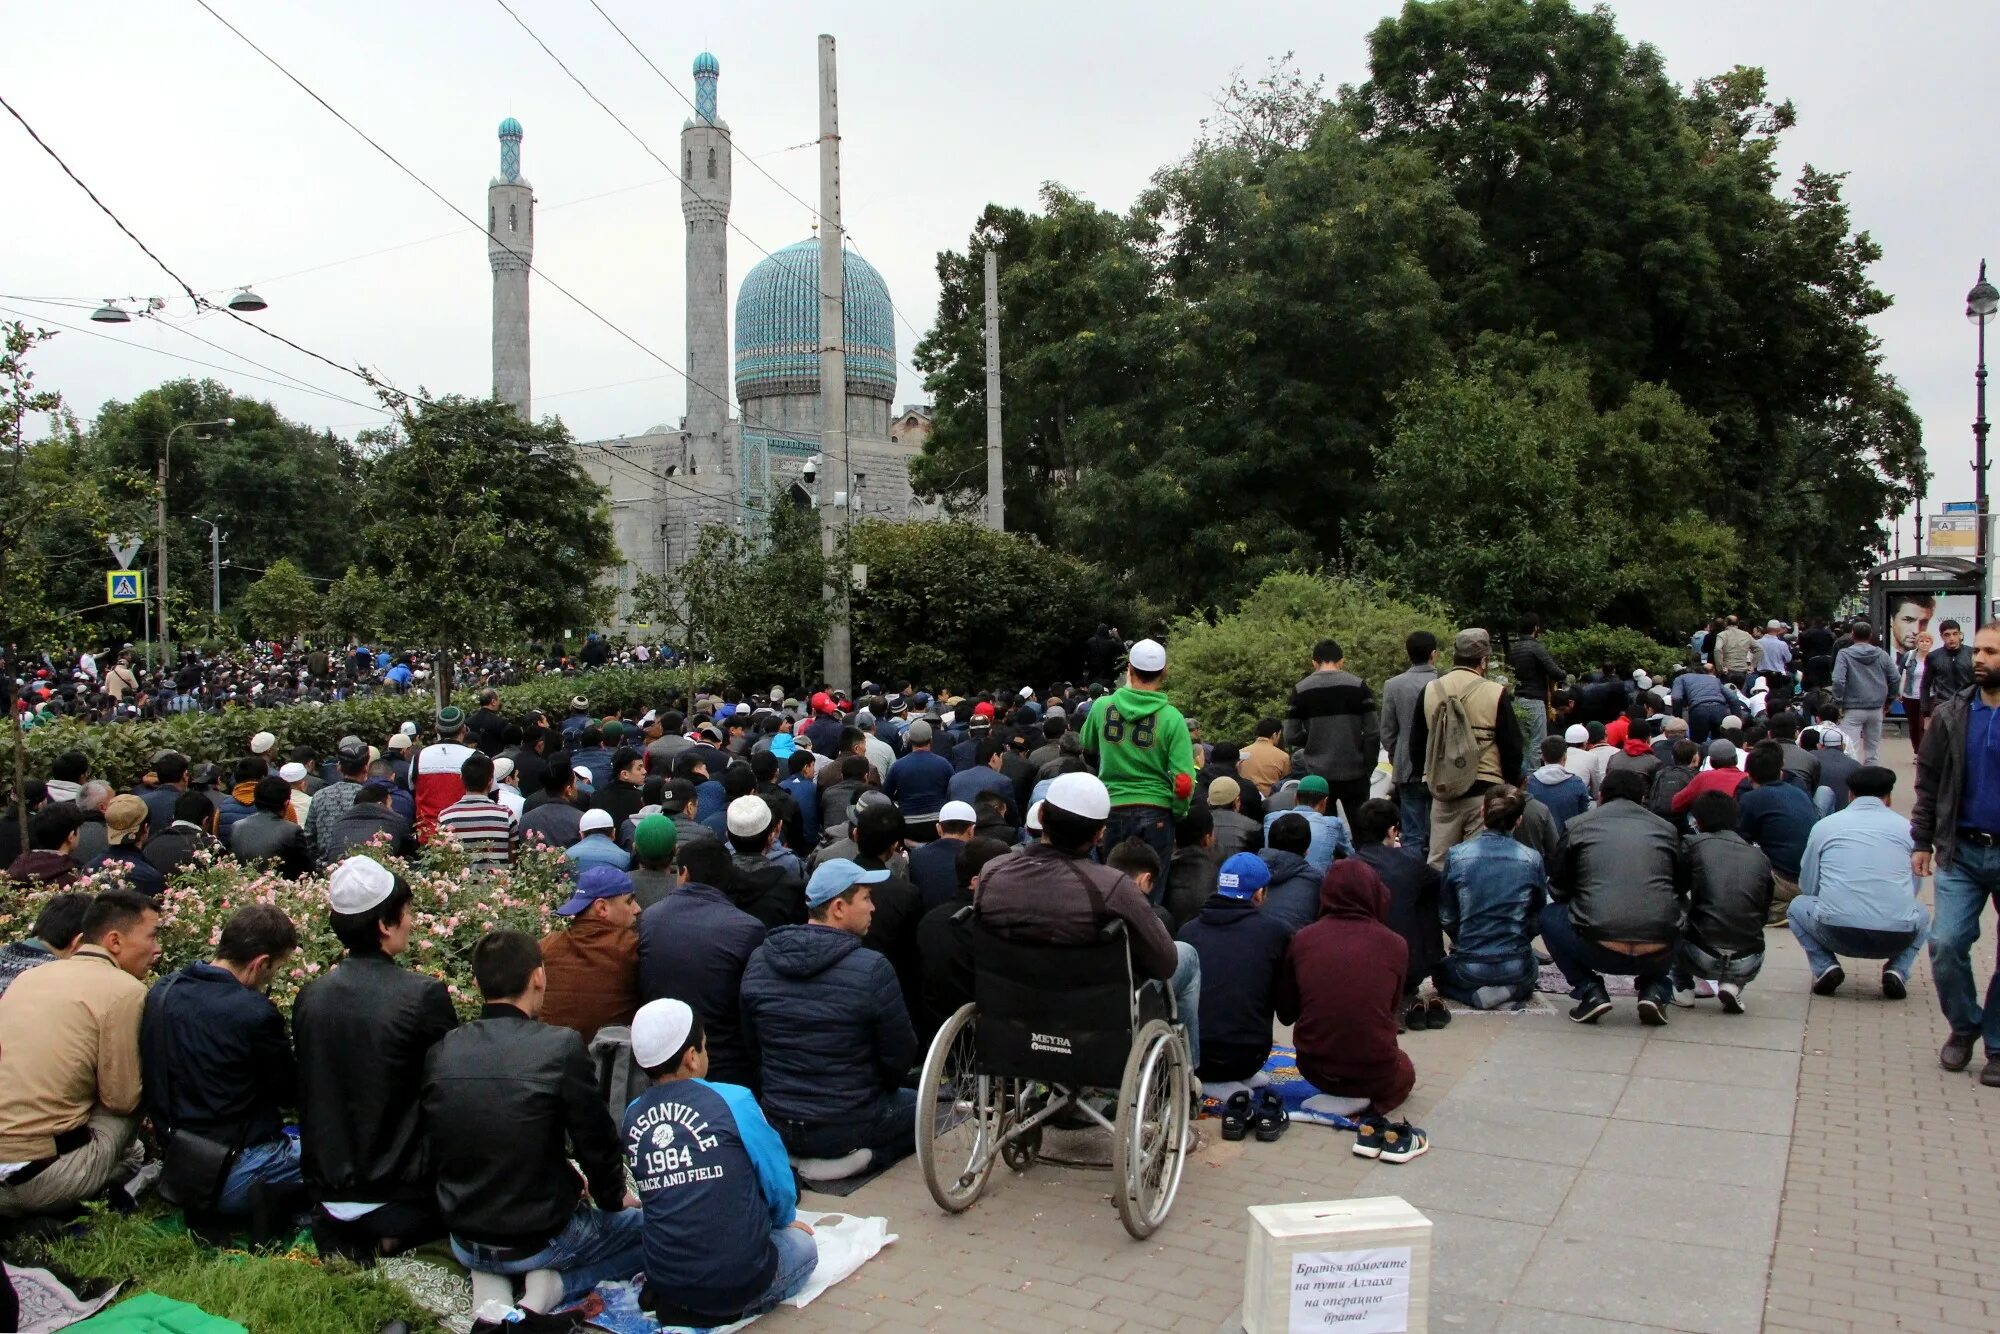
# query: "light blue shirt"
[[1330, 838], [1857, 862], [1774, 654]]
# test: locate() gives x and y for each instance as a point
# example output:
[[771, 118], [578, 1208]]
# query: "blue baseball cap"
[[596, 882], [1242, 876], [835, 878]]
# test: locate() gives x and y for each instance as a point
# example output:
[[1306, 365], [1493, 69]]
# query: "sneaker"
[[1368, 1137], [1990, 1076], [1893, 985], [1731, 997], [1957, 1051], [1590, 1009], [1651, 1012], [1403, 1141], [1829, 981], [1684, 997]]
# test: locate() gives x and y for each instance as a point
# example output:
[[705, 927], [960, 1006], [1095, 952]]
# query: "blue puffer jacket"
[[1293, 894], [825, 1020]]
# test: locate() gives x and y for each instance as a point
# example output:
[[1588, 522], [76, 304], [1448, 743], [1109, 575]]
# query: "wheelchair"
[[1048, 1025]]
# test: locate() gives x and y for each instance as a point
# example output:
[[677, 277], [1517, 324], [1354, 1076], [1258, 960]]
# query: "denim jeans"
[[1705, 720], [1584, 962], [1485, 983], [1414, 799], [1694, 961], [1186, 986], [888, 1130], [798, 1256], [592, 1248], [1960, 894], [1866, 726], [1151, 825], [1533, 716], [272, 1163], [1822, 942]]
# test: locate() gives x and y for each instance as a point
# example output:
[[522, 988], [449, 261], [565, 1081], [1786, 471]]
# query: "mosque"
[[668, 482]]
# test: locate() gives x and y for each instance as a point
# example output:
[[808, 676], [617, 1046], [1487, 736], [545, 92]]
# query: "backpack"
[[1451, 758]]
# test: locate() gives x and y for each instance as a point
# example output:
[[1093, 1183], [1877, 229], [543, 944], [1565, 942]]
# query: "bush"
[[1594, 646], [120, 753], [1242, 668]]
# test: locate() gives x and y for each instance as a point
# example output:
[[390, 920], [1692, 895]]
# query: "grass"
[[293, 1292]]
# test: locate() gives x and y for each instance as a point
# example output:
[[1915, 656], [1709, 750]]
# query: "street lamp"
[[160, 516], [1980, 304]]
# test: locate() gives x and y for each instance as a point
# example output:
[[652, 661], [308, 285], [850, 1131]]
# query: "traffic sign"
[[124, 547], [124, 586]]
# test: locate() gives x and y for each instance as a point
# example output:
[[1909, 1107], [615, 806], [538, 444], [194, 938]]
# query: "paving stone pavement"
[[1806, 1166]]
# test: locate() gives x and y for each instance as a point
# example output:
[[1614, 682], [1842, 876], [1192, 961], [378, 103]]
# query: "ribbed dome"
[[510, 128], [777, 327], [707, 64]]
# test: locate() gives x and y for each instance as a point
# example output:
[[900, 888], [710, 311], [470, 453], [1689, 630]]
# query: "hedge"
[[120, 753], [1594, 646]]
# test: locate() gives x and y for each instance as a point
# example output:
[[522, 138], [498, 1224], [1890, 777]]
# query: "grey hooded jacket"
[[1864, 677]]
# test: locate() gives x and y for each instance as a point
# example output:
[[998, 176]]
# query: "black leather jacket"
[[362, 1032], [508, 1100], [1728, 886], [1616, 872]]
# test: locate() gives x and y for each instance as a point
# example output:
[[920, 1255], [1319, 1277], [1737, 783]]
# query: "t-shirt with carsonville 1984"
[[715, 1183]]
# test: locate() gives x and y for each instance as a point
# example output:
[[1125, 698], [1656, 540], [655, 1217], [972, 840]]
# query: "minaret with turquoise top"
[[510, 246], [705, 186]]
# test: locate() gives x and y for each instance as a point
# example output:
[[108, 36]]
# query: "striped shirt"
[[484, 828]]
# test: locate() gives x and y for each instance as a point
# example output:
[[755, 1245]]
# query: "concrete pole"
[[215, 571], [996, 500], [836, 488]]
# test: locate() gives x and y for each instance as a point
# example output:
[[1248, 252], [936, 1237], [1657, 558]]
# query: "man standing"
[[1864, 679], [1470, 740], [1956, 824], [1331, 721], [69, 1061], [1616, 905], [1948, 669], [435, 772], [1402, 695], [1858, 897], [508, 1103], [1141, 748], [1735, 652], [1537, 676]]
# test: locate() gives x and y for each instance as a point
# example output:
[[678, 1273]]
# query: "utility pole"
[[837, 663], [996, 500], [214, 566]]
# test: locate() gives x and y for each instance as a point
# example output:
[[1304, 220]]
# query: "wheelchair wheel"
[[958, 1116], [1150, 1146]]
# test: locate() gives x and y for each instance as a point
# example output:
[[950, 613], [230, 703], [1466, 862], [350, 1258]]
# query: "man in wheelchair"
[[1051, 893]]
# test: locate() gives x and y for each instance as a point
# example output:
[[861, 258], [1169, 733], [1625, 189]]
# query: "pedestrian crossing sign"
[[124, 586]]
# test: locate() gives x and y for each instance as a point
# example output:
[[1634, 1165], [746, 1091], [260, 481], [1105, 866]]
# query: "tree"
[[356, 606], [281, 605], [483, 528]]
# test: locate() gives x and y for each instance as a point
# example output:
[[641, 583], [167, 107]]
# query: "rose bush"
[[452, 906]]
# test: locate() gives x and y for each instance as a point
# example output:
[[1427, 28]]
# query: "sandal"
[[1440, 1013], [1272, 1118], [1236, 1116]]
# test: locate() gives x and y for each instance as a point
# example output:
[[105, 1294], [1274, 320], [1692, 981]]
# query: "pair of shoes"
[[1236, 1115], [1956, 1053], [1272, 1118], [1652, 1011], [1829, 981], [1590, 1009], [1416, 1018], [1440, 1013], [1390, 1141], [1731, 997], [1893, 985]]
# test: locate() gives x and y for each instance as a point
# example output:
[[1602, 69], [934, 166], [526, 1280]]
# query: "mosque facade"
[[752, 419]]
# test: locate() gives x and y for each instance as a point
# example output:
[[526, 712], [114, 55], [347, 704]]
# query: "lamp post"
[[1980, 304], [160, 516]]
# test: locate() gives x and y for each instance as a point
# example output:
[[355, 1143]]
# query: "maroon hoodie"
[[1342, 983]]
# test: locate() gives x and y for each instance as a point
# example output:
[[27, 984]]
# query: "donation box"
[[1351, 1266]]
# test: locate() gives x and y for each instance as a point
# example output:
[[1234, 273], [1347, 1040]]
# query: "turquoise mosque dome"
[[777, 327], [510, 128], [706, 63]]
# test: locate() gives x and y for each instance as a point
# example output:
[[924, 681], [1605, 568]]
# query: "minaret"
[[510, 245], [705, 173]]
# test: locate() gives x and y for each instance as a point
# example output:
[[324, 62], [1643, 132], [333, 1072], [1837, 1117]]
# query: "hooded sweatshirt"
[[1638, 756], [1561, 791], [1864, 677], [1144, 753], [1342, 984]]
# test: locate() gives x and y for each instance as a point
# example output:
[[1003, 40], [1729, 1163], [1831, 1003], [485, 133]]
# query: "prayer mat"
[[48, 1303], [150, 1313], [1552, 981], [842, 1187], [1303, 1101], [444, 1290]]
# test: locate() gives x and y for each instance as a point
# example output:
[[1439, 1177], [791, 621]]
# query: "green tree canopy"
[[282, 604]]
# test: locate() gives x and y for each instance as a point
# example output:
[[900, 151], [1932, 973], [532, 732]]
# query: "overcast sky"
[[233, 175]]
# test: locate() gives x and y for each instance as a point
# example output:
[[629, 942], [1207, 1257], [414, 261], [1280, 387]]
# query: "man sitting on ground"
[[934, 865], [175, 843], [596, 846], [1235, 830], [555, 818], [768, 888], [1555, 786], [693, 945], [126, 826], [1775, 815], [508, 1103], [69, 1062], [1836, 767], [484, 829], [653, 841], [1857, 896], [268, 833], [1616, 906], [52, 835], [945, 942], [1722, 775], [1414, 901], [1727, 884], [1242, 952], [1494, 890], [57, 931], [825, 1017], [362, 1030], [1330, 837], [593, 966], [1293, 895], [722, 1242], [218, 1063]]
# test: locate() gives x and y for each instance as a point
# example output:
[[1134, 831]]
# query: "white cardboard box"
[[1348, 1266]]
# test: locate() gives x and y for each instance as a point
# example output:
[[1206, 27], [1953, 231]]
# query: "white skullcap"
[[262, 743], [749, 816], [1149, 657], [1081, 795], [1035, 818], [1578, 735], [659, 1030], [957, 812], [503, 769], [358, 884], [293, 772], [595, 819]]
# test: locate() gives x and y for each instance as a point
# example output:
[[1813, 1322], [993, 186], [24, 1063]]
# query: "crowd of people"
[[772, 904]]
